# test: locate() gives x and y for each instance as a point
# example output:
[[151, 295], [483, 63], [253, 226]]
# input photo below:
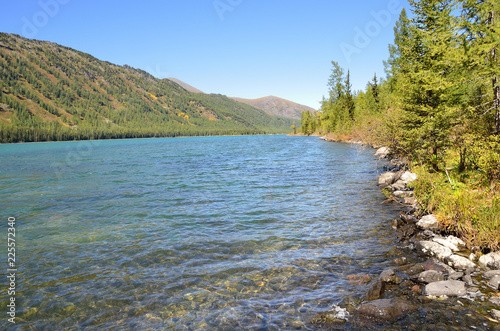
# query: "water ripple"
[[191, 233]]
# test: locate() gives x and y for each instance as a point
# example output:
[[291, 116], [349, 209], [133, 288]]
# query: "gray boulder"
[[450, 288], [382, 152], [385, 309], [431, 248], [402, 194], [459, 262], [495, 313], [399, 185], [386, 179], [408, 177], [491, 273], [491, 260], [389, 277], [429, 222], [376, 291], [495, 282], [453, 243], [430, 276], [495, 301], [434, 264], [456, 275], [468, 280]]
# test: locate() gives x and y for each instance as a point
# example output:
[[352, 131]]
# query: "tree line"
[[441, 94], [50, 92]]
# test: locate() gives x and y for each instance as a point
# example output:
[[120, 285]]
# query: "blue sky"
[[241, 48]]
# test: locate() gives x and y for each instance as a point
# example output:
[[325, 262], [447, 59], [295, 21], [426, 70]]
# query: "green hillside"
[[50, 92]]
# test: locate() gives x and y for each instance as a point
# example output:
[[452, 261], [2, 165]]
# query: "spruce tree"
[[425, 71]]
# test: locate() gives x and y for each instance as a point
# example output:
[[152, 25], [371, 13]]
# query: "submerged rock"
[[389, 277], [450, 288], [385, 309], [357, 279], [429, 222], [416, 269], [376, 291]]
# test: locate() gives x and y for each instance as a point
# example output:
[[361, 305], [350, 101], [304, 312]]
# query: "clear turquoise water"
[[220, 233]]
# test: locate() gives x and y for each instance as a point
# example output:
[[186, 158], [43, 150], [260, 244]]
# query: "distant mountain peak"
[[186, 86], [277, 106], [272, 105]]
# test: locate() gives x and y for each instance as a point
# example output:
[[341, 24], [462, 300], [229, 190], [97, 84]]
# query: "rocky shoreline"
[[444, 275]]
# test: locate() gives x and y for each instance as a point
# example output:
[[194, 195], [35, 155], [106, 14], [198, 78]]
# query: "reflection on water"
[[191, 233]]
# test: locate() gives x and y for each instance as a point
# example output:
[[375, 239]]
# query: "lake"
[[223, 233]]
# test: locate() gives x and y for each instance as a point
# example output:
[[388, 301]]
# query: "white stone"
[[399, 185], [400, 194], [386, 179], [453, 243], [429, 222], [491, 260], [408, 177], [382, 152], [434, 249], [494, 282], [459, 262], [495, 313], [491, 274]]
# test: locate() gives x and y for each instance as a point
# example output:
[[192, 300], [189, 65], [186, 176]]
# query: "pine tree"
[[424, 72], [482, 44], [399, 52], [348, 99]]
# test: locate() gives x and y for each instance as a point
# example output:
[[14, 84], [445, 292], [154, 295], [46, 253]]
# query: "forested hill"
[[51, 92]]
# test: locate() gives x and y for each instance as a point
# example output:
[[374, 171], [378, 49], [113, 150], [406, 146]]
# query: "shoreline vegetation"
[[436, 118], [438, 110]]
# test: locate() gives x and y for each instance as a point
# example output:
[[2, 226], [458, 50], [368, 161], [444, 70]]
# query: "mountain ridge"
[[277, 106], [52, 92], [272, 105]]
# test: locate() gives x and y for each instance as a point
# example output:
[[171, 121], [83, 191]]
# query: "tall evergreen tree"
[[482, 44], [425, 70], [348, 97]]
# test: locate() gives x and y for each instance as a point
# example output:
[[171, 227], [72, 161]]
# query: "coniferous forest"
[[439, 107], [49, 92]]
